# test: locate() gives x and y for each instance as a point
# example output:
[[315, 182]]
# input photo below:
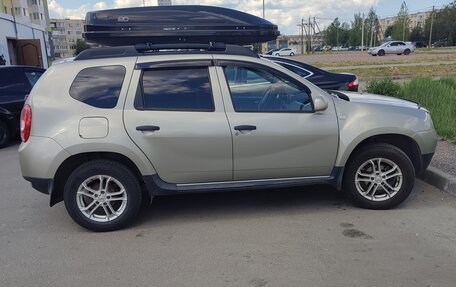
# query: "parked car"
[[100, 134], [15, 83], [392, 47], [284, 52], [271, 51], [340, 48], [321, 78]]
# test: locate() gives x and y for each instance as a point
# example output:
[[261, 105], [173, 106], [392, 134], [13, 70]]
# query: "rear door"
[[276, 133], [176, 117]]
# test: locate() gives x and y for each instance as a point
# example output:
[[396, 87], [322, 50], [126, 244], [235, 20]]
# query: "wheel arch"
[[405, 143], [71, 163]]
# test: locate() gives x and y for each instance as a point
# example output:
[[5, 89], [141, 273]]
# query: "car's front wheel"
[[407, 52], [102, 195], [292, 54], [379, 176]]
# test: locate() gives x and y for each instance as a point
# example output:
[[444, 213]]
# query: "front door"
[[29, 52], [276, 133], [179, 122]]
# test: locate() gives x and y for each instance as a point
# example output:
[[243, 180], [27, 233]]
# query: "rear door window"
[[177, 89], [98, 86]]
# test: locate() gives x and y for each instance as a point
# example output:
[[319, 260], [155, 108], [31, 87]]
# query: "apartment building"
[[415, 19], [24, 35], [65, 34]]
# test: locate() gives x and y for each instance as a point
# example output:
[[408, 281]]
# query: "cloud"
[[285, 13], [100, 6]]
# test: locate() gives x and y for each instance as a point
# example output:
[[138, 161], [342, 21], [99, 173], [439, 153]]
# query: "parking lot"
[[290, 237]]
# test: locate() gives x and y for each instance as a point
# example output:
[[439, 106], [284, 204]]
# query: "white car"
[[284, 52], [392, 47]]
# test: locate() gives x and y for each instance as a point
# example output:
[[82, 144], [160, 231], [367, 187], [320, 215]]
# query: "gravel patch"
[[445, 157]]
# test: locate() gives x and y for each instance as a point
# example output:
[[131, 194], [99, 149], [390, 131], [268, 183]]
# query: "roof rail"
[[160, 49]]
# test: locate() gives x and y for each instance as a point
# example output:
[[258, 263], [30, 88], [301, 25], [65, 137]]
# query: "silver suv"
[[119, 125]]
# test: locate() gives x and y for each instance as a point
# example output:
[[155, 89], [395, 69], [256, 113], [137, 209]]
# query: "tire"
[[381, 53], [407, 52], [375, 196], [291, 54], [277, 55], [5, 134], [399, 54], [98, 201]]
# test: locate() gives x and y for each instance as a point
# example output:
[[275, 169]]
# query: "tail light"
[[353, 86], [26, 122]]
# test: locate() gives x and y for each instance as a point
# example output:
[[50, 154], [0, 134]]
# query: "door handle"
[[245, 128], [147, 128]]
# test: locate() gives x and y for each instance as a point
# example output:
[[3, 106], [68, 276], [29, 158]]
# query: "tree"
[[401, 28], [372, 26], [444, 26], [81, 45], [417, 34], [389, 31], [354, 37]]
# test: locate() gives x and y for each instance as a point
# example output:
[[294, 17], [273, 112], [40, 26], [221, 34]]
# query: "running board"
[[156, 186]]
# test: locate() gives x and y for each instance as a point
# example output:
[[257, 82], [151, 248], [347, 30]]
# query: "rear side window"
[[99, 86], [179, 89], [33, 76], [12, 81]]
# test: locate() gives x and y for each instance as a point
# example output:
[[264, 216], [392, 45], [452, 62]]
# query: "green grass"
[[439, 97], [402, 71], [387, 61]]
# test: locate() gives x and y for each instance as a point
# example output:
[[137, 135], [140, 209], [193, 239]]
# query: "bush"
[[384, 86]]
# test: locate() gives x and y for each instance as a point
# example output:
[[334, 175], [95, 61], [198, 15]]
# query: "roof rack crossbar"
[[156, 49]]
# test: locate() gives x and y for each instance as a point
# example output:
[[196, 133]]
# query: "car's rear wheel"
[[4, 134], [407, 52], [381, 53], [379, 176], [102, 195], [292, 54]]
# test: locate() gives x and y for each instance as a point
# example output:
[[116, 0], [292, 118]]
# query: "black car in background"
[[15, 83], [321, 78]]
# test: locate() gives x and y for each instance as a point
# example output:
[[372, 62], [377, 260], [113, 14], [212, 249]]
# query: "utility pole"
[[310, 36], [405, 21], [430, 31], [362, 34], [263, 9], [302, 35], [372, 32]]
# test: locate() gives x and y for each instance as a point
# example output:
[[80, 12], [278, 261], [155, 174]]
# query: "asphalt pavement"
[[290, 237]]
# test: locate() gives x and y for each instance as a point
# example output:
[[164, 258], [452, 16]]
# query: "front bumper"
[[425, 161], [43, 185]]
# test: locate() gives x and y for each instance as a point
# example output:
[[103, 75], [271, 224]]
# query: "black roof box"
[[176, 24]]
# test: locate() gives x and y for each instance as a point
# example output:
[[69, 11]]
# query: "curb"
[[440, 179]]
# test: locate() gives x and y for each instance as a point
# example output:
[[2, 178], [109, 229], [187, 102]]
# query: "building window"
[[17, 11], [69, 32], [41, 16]]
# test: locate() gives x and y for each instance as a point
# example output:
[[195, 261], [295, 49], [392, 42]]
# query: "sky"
[[285, 13]]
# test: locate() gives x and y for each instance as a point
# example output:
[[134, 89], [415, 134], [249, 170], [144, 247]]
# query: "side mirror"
[[320, 104]]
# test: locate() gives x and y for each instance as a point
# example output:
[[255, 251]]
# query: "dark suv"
[[15, 83]]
